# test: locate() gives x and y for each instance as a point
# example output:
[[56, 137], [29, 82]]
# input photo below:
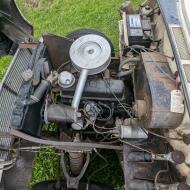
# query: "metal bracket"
[[73, 182]]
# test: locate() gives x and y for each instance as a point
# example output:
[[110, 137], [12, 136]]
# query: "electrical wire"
[[100, 132], [135, 146], [110, 110], [129, 114], [163, 137], [63, 65], [32, 149], [97, 111], [112, 142], [26, 148], [129, 108], [157, 175], [133, 49], [148, 49], [160, 136], [104, 128]]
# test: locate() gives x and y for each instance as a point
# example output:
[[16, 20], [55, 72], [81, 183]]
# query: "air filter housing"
[[91, 52]]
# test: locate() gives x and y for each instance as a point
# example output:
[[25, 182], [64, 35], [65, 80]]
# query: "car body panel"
[[14, 28]]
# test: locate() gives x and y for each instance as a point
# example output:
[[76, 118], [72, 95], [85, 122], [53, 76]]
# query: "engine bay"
[[133, 104]]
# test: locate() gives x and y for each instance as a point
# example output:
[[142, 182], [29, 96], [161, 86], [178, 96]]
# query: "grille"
[[187, 71], [181, 44], [10, 87]]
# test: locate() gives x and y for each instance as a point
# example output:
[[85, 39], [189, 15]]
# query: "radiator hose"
[[129, 61]]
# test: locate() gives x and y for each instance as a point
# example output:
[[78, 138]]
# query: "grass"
[[136, 3], [45, 166], [4, 63], [61, 17]]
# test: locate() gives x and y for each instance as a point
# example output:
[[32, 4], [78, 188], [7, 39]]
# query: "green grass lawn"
[[61, 17], [4, 63]]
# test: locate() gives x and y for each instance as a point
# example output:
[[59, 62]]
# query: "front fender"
[[14, 28]]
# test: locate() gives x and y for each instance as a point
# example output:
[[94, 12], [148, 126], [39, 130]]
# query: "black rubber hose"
[[133, 60], [125, 73], [40, 91]]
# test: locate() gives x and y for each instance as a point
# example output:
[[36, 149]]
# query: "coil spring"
[[76, 162]]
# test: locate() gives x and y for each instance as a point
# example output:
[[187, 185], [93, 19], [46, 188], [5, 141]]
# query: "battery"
[[139, 30]]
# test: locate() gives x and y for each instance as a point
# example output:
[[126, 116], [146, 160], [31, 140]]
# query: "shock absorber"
[[76, 162], [76, 159]]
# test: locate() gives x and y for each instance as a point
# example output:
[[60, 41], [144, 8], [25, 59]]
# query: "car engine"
[[135, 103]]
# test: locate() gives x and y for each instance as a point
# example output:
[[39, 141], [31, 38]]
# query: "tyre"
[[81, 32], [51, 185]]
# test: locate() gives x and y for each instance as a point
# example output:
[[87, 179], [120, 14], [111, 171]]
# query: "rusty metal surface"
[[145, 171], [58, 49], [154, 84], [64, 145], [134, 170], [28, 45]]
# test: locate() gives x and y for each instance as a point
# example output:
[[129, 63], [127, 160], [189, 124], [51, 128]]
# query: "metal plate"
[[58, 49], [152, 84], [143, 170], [170, 13]]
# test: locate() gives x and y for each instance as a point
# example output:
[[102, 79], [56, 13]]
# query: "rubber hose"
[[127, 61]]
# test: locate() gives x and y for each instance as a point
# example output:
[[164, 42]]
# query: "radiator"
[[9, 89]]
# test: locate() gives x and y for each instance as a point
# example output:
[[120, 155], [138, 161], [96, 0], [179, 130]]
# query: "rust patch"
[[28, 45]]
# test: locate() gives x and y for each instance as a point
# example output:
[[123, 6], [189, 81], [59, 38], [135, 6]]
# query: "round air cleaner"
[[90, 54]]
